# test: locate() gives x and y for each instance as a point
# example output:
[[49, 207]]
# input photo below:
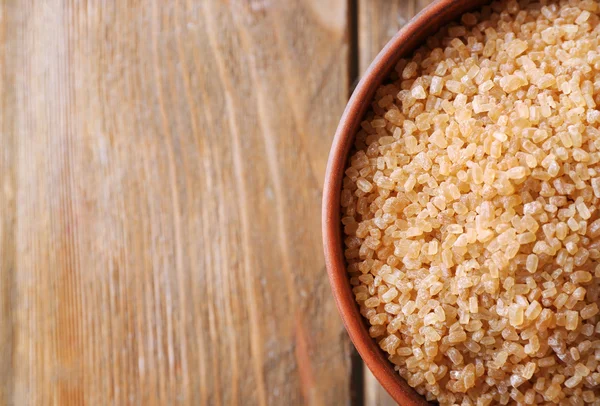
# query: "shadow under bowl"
[[415, 33]]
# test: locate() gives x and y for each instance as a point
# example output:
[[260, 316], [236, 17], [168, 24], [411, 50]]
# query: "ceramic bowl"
[[427, 22]]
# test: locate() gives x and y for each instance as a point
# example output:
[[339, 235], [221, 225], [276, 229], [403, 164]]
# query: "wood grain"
[[162, 165], [378, 21]]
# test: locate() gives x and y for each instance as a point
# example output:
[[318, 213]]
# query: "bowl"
[[427, 22]]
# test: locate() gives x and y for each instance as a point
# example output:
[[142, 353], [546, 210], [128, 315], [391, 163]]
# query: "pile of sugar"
[[470, 209]]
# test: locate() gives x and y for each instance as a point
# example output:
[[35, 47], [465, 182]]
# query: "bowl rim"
[[426, 22]]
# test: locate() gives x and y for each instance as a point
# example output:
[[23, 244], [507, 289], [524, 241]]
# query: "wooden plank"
[[161, 165], [378, 21], [375, 395]]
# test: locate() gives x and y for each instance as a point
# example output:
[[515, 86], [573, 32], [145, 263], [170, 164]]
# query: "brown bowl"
[[427, 22]]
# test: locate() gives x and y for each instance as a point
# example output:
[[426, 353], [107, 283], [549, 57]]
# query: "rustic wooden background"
[[161, 166]]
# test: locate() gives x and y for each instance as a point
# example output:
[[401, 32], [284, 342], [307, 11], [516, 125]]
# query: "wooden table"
[[161, 167]]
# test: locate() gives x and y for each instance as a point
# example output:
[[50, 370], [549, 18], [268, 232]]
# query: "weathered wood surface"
[[161, 165], [378, 21]]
